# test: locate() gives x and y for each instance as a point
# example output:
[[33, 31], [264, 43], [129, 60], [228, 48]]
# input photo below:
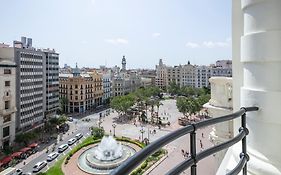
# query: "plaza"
[[139, 131]]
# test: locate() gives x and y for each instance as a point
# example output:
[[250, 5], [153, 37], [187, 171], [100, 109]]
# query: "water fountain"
[[103, 158]]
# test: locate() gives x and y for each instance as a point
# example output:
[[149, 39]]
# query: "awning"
[[5, 160], [33, 145], [16, 154], [23, 150]]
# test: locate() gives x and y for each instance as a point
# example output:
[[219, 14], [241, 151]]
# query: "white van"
[[78, 136], [39, 166], [62, 148], [71, 141], [52, 156]]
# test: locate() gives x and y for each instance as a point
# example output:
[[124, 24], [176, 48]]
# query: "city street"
[[77, 126]]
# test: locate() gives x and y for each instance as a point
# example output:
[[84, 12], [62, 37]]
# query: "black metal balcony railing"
[[129, 165]]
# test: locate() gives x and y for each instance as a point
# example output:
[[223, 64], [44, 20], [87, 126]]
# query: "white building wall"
[[260, 64], [7, 93]]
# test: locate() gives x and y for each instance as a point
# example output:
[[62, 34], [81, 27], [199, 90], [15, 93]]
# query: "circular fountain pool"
[[103, 158]]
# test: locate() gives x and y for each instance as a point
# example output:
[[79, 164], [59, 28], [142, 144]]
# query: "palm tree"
[[158, 104]]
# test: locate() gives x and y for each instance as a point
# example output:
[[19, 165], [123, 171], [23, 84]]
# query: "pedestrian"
[[202, 135], [24, 163], [201, 145], [186, 154], [182, 151]]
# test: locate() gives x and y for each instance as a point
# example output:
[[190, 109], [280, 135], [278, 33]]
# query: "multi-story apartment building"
[[98, 88], [161, 79], [223, 68], [36, 83], [77, 89], [107, 86], [202, 75], [7, 95], [190, 75], [30, 85], [82, 91], [52, 82]]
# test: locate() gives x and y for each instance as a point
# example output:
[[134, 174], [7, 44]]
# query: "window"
[[7, 71], [7, 118], [7, 83], [7, 104], [6, 131]]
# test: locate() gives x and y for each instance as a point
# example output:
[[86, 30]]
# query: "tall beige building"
[[8, 96], [161, 79], [82, 91], [97, 88]]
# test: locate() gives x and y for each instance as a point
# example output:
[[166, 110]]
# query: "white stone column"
[[261, 59], [219, 105]]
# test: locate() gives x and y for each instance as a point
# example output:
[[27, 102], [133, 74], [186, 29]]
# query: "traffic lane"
[[43, 157], [29, 167]]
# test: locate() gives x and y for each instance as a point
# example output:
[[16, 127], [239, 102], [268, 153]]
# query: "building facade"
[[98, 88], [81, 92], [161, 79], [8, 96], [30, 86], [36, 83], [191, 75], [107, 87], [52, 82]]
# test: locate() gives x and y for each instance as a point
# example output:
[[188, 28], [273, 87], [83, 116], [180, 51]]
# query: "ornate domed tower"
[[123, 63]]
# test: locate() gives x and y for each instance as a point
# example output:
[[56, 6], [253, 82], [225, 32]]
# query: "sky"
[[100, 32]]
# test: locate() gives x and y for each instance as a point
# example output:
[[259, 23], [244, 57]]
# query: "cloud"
[[192, 45], [210, 44], [117, 41], [217, 44], [156, 35]]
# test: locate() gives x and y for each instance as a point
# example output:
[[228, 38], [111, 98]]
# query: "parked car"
[[28, 173], [78, 136], [70, 119], [39, 166], [62, 148], [18, 172], [71, 141], [52, 156]]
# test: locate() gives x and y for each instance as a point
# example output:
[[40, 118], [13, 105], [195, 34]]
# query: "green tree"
[[122, 103], [173, 88], [97, 133], [25, 138], [158, 104], [187, 105], [63, 103]]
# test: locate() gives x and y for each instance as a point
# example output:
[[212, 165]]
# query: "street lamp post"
[[142, 131], [114, 126], [99, 123]]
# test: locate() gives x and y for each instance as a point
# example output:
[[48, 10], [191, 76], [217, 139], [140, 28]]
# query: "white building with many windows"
[[8, 96]]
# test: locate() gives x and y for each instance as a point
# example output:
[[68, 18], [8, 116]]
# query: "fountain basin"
[[90, 163]]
